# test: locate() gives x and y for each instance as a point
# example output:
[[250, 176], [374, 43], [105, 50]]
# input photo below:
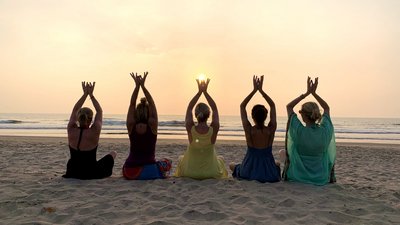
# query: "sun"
[[202, 77]]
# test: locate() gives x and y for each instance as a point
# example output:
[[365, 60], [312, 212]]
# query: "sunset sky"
[[48, 47]]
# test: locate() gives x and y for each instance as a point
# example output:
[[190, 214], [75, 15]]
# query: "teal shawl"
[[311, 152]]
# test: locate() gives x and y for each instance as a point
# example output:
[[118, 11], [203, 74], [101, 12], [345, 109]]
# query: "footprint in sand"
[[209, 216], [287, 202]]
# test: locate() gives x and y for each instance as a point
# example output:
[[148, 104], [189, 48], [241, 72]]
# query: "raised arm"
[[98, 119], [153, 116], [130, 119], [189, 111], [213, 106], [323, 104], [272, 114], [292, 104], [78, 105], [215, 115], [243, 113]]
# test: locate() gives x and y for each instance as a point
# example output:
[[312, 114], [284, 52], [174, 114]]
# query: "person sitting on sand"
[[200, 160], [142, 125], [310, 150], [84, 139], [259, 163]]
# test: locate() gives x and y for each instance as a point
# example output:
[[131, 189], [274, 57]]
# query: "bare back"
[[90, 136], [89, 140], [260, 138]]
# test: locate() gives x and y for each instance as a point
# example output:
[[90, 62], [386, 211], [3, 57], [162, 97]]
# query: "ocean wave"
[[117, 133], [114, 122], [119, 122], [172, 123], [10, 121], [33, 128], [367, 138], [365, 132], [169, 128]]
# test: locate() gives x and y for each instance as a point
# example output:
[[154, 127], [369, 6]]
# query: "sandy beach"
[[33, 191]]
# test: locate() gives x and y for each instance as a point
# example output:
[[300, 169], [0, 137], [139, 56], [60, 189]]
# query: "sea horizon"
[[347, 129]]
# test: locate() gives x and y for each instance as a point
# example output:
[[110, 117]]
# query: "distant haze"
[[48, 47]]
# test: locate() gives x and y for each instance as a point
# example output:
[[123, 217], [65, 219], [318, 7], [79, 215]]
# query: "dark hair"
[[259, 114], [142, 111]]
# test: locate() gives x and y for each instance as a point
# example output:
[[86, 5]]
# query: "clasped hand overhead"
[[88, 87], [139, 80]]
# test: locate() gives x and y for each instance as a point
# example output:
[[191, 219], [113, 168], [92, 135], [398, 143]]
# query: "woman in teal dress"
[[311, 149], [259, 163]]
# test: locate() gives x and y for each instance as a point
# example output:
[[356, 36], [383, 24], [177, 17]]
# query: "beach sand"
[[32, 190]]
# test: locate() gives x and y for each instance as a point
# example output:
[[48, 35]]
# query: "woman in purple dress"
[[142, 125]]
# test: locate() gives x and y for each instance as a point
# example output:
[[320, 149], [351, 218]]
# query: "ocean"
[[366, 130]]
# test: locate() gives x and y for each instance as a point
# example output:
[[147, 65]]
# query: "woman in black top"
[[83, 140]]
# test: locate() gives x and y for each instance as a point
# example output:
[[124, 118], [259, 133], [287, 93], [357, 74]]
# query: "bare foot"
[[113, 154], [232, 166]]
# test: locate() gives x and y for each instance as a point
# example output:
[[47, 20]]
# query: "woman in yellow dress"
[[200, 160]]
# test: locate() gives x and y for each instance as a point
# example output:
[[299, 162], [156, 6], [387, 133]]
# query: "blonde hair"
[[84, 115], [142, 111], [311, 111], [202, 112]]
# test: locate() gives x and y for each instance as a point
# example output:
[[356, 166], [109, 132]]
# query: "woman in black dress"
[[83, 140]]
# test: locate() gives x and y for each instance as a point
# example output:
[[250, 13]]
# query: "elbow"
[[289, 110], [326, 109], [215, 125]]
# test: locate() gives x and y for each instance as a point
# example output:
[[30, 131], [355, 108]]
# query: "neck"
[[202, 123], [84, 126], [309, 123], [259, 125]]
